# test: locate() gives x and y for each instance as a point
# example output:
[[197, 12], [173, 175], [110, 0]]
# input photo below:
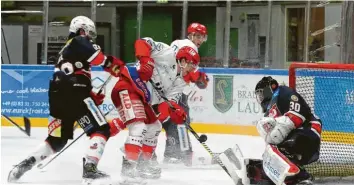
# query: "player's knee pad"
[[130, 106], [137, 131], [57, 143], [152, 133], [134, 142]]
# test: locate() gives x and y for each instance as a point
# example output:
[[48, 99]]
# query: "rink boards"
[[227, 106]]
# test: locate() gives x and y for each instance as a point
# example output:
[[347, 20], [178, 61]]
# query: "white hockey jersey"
[[165, 75], [178, 44]]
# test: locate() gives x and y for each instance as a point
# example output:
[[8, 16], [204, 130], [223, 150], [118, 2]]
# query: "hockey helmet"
[[84, 23], [198, 28], [189, 54], [264, 91]]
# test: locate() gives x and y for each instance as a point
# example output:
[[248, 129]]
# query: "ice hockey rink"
[[67, 169]]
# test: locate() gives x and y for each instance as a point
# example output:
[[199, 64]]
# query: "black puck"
[[203, 138]]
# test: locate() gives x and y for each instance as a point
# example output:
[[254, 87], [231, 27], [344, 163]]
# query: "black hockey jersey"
[[287, 102], [82, 53]]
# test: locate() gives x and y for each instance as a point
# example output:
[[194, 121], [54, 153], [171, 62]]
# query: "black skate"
[[130, 174], [302, 178], [91, 173], [21, 169], [149, 169]]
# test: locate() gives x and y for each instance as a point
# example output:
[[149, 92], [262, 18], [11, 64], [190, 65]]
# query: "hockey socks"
[[95, 151]]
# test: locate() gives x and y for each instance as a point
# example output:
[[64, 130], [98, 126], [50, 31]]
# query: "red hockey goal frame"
[[302, 65], [324, 171]]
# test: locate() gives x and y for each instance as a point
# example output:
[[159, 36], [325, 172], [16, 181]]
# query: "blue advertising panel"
[[24, 91]]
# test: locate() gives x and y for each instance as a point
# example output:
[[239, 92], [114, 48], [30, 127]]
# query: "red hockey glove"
[[97, 98], [146, 68], [200, 79], [177, 114], [112, 65], [116, 125]]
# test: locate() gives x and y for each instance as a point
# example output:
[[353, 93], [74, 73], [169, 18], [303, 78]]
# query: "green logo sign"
[[223, 92]]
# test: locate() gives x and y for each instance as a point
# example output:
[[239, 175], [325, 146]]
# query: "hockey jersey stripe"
[[296, 118], [97, 58], [316, 126]]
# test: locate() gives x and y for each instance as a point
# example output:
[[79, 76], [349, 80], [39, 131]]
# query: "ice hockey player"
[[71, 99], [292, 135], [158, 65], [177, 151]]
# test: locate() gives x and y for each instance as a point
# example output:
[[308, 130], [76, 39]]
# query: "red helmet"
[[189, 54], [197, 28]]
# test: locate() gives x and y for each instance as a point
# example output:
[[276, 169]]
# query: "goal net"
[[329, 91]]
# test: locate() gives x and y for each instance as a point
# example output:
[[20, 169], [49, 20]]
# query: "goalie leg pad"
[[277, 166], [233, 160]]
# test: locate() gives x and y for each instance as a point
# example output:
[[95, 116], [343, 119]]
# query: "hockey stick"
[[41, 165], [195, 134], [104, 84], [27, 125]]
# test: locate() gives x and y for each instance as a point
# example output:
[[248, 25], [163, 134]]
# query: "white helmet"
[[85, 23]]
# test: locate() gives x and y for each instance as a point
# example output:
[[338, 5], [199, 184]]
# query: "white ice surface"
[[67, 168]]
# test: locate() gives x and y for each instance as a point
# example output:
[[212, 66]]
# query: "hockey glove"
[[97, 98], [145, 68], [177, 114], [112, 65], [200, 79], [275, 130]]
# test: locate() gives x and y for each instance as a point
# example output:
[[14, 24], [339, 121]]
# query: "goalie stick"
[[195, 134], [27, 124], [43, 165]]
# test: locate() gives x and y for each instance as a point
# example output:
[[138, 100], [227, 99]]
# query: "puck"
[[203, 138]]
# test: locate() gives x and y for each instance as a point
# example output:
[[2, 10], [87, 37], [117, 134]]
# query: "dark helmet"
[[264, 91]]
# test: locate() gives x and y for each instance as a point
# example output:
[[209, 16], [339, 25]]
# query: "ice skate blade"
[[150, 176], [100, 181], [132, 181], [11, 177]]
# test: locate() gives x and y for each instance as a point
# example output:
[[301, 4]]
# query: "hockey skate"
[[172, 160], [149, 169], [302, 178], [92, 174], [130, 174], [21, 169], [184, 158]]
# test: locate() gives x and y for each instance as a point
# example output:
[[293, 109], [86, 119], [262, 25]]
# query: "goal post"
[[329, 91]]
